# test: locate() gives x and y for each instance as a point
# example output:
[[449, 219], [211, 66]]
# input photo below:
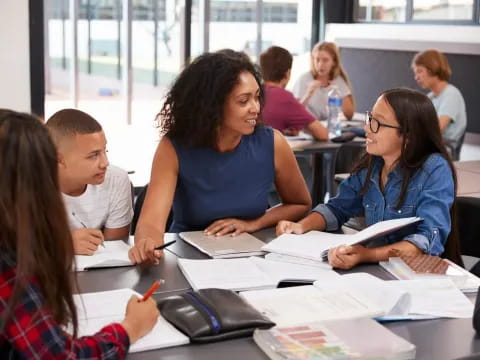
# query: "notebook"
[[96, 310], [336, 339], [248, 273], [227, 246], [115, 253], [315, 244]]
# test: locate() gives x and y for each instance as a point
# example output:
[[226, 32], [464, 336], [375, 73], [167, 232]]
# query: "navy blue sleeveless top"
[[213, 185]]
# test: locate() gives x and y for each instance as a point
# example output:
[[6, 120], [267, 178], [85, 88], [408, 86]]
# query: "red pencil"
[[152, 289]]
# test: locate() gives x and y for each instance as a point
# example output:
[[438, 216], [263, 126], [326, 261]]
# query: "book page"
[[302, 304], [234, 274], [393, 300], [115, 253], [310, 245], [313, 244], [96, 310]]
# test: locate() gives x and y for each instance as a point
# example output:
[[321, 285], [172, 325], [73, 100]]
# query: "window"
[[443, 10], [384, 11]]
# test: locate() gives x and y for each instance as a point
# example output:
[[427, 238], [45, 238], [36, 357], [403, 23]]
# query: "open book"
[[361, 295], [336, 339], [227, 246], [115, 253], [248, 273], [315, 244], [96, 310]]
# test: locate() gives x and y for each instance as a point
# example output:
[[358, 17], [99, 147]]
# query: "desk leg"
[[323, 176]]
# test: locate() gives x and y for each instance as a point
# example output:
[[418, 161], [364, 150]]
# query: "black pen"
[[161, 247]]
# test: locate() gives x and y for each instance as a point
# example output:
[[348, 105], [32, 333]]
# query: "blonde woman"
[[325, 72]]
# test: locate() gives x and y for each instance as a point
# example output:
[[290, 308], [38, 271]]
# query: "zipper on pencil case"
[[211, 316]]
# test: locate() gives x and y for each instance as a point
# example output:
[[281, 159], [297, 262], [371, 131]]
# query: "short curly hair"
[[194, 106]]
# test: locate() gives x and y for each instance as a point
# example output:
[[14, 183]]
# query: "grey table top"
[[435, 339], [139, 278]]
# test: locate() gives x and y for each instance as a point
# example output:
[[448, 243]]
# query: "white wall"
[[457, 39], [14, 55]]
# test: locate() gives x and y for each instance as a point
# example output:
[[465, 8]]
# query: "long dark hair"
[[193, 108], [33, 223], [421, 137]]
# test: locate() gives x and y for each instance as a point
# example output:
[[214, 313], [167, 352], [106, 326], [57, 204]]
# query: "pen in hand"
[[152, 289], [83, 224], [163, 246]]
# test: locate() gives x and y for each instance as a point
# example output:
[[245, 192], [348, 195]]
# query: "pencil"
[[83, 224], [152, 289]]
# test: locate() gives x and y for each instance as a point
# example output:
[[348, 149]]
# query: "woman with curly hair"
[[216, 163]]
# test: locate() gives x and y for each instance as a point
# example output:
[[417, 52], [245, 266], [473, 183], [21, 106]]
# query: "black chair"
[[137, 208], [455, 150], [468, 220]]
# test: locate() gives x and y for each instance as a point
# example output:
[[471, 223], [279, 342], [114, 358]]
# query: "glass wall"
[[438, 11], [383, 11], [443, 10]]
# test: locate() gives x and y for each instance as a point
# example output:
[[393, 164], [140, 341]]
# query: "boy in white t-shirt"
[[98, 197]]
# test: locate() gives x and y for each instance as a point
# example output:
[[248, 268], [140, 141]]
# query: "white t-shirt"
[[107, 205], [318, 102]]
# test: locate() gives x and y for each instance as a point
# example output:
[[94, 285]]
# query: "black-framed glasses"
[[375, 125]]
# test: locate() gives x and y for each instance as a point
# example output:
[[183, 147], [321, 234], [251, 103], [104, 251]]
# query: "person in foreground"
[[282, 111], [405, 172], [36, 257], [216, 162], [98, 196], [326, 71], [432, 72]]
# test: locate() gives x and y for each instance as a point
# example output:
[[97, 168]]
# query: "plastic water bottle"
[[334, 110]]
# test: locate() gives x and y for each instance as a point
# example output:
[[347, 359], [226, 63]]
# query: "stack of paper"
[[96, 310], [248, 273], [115, 253], [361, 295], [227, 246], [315, 244]]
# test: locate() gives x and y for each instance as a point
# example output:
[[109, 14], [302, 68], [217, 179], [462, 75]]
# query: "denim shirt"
[[430, 195]]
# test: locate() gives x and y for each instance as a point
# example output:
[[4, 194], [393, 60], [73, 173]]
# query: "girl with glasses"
[[405, 172]]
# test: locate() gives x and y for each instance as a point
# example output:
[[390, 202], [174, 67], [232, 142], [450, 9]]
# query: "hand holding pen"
[[85, 240], [146, 250]]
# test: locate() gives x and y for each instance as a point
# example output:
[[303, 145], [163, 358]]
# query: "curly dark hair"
[[193, 108]]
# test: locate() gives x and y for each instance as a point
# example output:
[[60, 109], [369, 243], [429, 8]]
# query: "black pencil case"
[[211, 315]]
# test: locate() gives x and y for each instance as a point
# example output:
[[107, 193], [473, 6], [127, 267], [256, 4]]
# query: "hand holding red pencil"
[[141, 314]]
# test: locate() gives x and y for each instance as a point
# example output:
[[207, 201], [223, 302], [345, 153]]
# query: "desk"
[[439, 339], [138, 278], [326, 157], [468, 178]]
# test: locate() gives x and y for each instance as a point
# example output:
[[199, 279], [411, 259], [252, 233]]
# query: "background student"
[[216, 162], [98, 197], [36, 256], [325, 72], [282, 111], [405, 172], [432, 71]]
